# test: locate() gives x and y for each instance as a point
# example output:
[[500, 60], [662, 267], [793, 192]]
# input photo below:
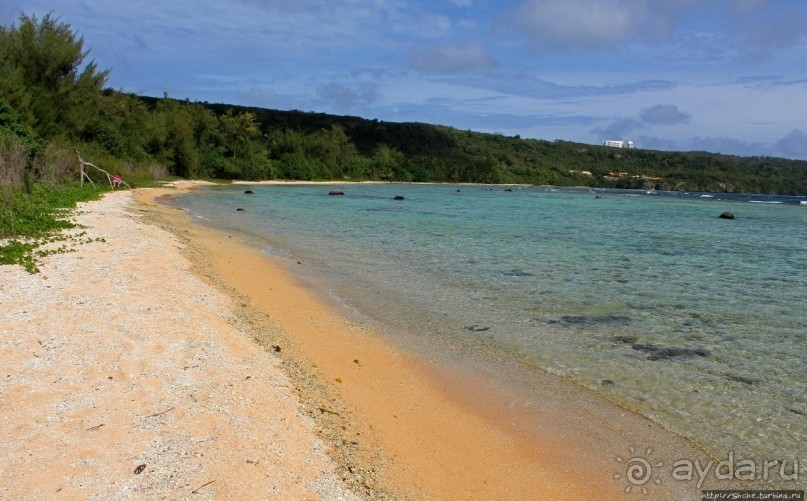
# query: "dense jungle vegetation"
[[52, 99]]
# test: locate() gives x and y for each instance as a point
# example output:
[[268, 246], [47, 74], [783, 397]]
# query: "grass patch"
[[28, 220]]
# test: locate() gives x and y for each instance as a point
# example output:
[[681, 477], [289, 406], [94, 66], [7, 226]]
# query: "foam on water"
[[695, 321]]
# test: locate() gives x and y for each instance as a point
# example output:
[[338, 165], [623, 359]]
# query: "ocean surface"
[[697, 322]]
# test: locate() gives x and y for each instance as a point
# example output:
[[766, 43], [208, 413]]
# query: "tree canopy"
[[46, 79]]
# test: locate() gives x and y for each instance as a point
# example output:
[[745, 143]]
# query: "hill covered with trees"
[[52, 99], [423, 152]]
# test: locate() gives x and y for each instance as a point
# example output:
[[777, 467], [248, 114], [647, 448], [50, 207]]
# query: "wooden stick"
[[161, 413], [203, 485], [80, 165]]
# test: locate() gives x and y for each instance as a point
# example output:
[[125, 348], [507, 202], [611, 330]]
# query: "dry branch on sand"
[[114, 181]]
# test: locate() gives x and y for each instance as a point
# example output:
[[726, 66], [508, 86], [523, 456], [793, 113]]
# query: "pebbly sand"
[[166, 344], [118, 356]]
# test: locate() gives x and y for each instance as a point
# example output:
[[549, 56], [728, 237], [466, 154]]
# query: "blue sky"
[[728, 76]]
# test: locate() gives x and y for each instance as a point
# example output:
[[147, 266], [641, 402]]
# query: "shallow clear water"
[[697, 322]]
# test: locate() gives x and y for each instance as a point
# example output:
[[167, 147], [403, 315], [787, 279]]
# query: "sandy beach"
[[165, 359], [126, 376]]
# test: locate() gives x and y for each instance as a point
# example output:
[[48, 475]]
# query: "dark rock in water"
[[675, 351], [595, 320], [667, 352], [459, 191], [477, 328], [336, 192], [248, 192], [239, 209], [518, 273], [727, 215], [597, 196], [508, 189], [740, 379], [398, 197]]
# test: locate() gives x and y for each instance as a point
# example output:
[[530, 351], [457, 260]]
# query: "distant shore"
[[348, 183], [341, 411]]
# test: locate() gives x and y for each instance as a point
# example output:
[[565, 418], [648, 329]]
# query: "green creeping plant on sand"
[[30, 220]]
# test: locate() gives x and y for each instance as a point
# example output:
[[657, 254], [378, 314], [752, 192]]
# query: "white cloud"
[[467, 24], [663, 114], [596, 24], [574, 23], [427, 26], [745, 7], [793, 145], [774, 33], [344, 98], [452, 58], [619, 129], [587, 24]]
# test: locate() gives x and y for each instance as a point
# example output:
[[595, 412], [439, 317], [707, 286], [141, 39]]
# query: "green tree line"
[[52, 98]]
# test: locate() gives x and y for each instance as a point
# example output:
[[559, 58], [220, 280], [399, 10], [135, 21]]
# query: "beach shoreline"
[[383, 422], [559, 439]]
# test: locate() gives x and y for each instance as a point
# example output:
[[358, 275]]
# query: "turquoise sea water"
[[697, 322]]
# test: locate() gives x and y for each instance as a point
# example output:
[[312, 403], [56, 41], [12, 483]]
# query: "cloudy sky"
[[719, 75]]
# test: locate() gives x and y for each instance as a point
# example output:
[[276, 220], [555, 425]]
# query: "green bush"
[[106, 134]]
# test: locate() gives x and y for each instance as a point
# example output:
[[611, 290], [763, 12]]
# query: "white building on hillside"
[[619, 144]]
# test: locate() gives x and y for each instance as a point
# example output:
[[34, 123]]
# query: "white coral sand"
[[123, 375]]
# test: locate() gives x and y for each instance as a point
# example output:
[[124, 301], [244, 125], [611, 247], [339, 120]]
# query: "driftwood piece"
[[161, 413], [83, 164], [196, 491]]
